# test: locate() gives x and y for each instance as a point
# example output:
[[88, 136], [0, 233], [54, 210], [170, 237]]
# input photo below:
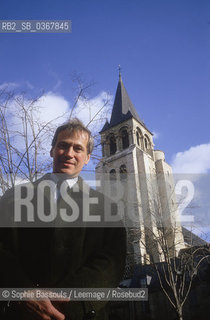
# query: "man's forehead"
[[74, 134]]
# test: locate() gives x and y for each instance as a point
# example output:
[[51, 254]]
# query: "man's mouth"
[[66, 163]]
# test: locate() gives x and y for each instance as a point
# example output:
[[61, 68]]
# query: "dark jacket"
[[62, 257]]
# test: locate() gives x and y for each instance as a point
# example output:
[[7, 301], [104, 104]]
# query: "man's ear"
[[87, 158]]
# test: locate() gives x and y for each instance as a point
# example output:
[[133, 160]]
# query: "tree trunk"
[[180, 314]]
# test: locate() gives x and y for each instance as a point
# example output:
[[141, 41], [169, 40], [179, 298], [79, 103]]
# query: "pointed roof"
[[123, 108]]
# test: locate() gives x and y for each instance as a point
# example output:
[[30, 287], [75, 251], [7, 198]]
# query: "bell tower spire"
[[119, 69], [123, 109]]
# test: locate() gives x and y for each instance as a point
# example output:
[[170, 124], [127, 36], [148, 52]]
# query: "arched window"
[[112, 145], [112, 175], [146, 143], [138, 137], [123, 172], [123, 168], [125, 139]]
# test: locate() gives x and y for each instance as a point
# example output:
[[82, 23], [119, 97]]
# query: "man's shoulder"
[[9, 193]]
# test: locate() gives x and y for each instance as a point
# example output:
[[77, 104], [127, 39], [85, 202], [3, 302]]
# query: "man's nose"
[[70, 152]]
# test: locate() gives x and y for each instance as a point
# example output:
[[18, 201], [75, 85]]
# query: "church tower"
[[149, 198]]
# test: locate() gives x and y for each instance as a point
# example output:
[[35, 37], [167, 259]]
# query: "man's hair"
[[72, 126]]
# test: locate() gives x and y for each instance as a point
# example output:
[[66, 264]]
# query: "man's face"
[[70, 152]]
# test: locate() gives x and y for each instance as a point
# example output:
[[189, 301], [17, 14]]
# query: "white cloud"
[[96, 109], [55, 108], [52, 107], [49, 108], [156, 135], [8, 85], [194, 160]]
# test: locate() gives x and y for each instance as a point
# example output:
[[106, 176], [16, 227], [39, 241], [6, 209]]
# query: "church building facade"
[[129, 157]]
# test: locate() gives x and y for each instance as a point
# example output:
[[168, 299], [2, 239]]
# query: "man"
[[57, 257]]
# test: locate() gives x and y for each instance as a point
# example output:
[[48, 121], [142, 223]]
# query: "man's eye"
[[62, 146], [78, 148]]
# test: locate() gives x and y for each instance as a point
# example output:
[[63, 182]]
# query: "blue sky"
[[162, 46]]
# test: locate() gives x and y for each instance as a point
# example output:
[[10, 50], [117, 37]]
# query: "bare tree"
[[25, 137], [176, 274], [155, 237], [175, 268], [95, 115]]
